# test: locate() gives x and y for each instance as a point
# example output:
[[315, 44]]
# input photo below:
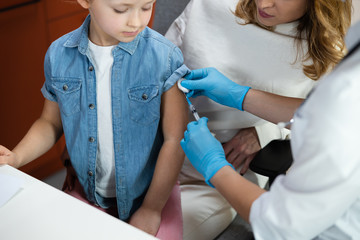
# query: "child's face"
[[114, 21], [274, 12]]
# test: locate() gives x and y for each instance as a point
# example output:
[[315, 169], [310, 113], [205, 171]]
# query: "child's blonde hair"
[[324, 26]]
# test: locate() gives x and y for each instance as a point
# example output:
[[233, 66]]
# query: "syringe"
[[191, 106], [193, 109]]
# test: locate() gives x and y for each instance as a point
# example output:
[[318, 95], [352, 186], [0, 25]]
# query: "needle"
[[191, 106], [193, 109]]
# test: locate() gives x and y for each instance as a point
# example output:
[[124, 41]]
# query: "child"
[[107, 85]]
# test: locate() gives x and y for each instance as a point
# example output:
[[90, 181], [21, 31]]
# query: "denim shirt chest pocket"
[[67, 91], [144, 104]]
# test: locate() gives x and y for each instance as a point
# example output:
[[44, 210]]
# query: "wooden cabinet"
[[27, 28], [63, 17]]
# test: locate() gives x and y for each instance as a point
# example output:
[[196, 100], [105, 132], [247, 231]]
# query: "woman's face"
[[274, 12]]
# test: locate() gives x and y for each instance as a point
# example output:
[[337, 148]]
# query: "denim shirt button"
[[91, 68], [91, 139], [65, 87], [144, 96], [90, 173], [91, 106]]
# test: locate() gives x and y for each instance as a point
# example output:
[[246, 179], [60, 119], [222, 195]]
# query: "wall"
[[165, 13]]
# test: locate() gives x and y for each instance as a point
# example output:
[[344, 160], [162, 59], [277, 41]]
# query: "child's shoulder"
[[153, 35], [70, 39], [61, 40]]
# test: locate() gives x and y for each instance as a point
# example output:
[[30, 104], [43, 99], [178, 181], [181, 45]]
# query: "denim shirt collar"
[[79, 38]]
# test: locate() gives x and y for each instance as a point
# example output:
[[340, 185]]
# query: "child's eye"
[[146, 9], [120, 11]]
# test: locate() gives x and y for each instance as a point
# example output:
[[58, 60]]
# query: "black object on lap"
[[272, 160]]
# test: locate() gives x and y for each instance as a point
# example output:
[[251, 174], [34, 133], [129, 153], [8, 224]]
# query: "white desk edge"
[[40, 211]]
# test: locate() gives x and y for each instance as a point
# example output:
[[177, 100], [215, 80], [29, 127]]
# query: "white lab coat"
[[319, 198]]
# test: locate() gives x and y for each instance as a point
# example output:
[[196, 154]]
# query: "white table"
[[40, 211]]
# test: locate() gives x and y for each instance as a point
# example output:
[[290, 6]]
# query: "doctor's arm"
[[238, 191], [42, 135], [213, 84], [271, 107], [207, 156]]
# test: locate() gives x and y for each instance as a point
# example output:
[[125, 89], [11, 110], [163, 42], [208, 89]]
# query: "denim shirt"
[[142, 71]]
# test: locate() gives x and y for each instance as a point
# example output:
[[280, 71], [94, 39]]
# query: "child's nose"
[[134, 19]]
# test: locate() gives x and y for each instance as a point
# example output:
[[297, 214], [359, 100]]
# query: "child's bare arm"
[[42, 135], [174, 117]]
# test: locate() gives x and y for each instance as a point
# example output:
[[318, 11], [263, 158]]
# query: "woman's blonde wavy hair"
[[324, 26]]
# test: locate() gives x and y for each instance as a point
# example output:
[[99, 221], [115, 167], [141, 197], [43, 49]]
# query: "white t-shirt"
[[208, 34], [319, 198], [103, 59]]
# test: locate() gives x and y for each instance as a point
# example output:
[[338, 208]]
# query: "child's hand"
[[148, 220], [7, 157]]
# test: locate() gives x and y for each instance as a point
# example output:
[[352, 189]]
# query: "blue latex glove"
[[213, 84], [204, 152]]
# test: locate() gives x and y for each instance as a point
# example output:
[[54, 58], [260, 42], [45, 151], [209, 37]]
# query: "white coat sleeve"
[[323, 184]]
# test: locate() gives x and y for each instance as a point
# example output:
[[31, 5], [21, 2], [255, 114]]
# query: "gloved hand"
[[203, 150], [213, 84]]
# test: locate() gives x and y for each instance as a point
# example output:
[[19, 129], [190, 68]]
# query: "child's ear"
[[84, 3]]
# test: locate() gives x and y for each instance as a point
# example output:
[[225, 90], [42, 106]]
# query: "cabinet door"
[[23, 44], [6, 5]]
